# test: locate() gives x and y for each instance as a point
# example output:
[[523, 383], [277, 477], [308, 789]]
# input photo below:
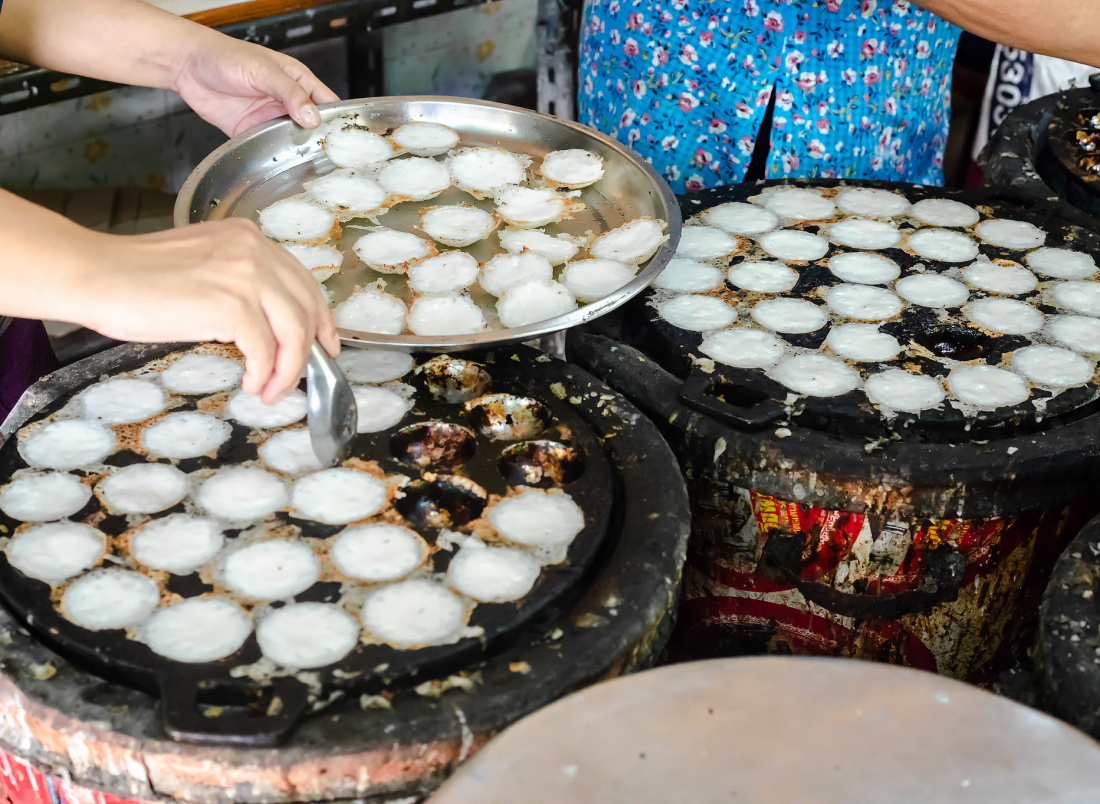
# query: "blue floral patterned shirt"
[[864, 88]]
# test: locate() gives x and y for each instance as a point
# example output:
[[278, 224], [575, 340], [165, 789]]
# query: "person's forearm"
[[126, 41], [44, 262], [1065, 29]]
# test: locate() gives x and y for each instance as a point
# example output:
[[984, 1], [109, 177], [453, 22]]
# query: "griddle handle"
[[697, 393], [286, 700], [940, 582], [661, 395]]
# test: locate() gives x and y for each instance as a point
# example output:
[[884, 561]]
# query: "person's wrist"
[[88, 268], [198, 44]]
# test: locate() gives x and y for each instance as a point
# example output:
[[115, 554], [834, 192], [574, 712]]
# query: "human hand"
[[236, 85], [216, 281]]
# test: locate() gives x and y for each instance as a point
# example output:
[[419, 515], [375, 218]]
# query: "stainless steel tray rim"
[[307, 147]]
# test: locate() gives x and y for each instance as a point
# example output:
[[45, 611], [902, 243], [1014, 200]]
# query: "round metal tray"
[[272, 161]]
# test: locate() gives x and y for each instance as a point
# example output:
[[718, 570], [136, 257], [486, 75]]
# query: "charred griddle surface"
[[455, 452]]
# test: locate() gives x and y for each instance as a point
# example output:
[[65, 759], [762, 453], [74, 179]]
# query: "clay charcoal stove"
[[1050, 149], [187, 592], [1069, 635], [864, 384]]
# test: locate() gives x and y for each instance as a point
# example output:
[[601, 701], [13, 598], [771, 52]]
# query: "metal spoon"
[[333, 417]]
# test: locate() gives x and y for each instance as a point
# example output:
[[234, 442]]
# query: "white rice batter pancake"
[[789, 315], [1061, 263], [741, 219], [762, 277], [56, 551], [527, 208], [682, 275], [1006, 316], [871, 203], [321, 261], [389, 251], [290, 452], [379, 408], [797, 203], [815, 375], [43, 497], [306, 635], [374, 365], [198, 630], [67, 444], [705, 243], [633, 242], [178, 543], [995, 278], [787, 244], [742, 347], [143, 488], [445, 315], [345, 191], [299, 220], [185, 435], [696, 313], [863, 302], [868, 234], [276, 569], [111, 598], [482, 171], [415, 179], [242, 493], [350, 145], [1052, 366], [864, 268], [508, 270], [592, 279], [986, 387], [122, 401], [338, 496], [413, 614], [932, 290], [493, 574], [425, 139], [251, 411], [1011, 234], [547, 522], [1079, 333], [943, 245], [572, 168], [558, 249], [863, 343], [531, 302], [448, 272], [378, 552], [371, 311], [945, 212], [899, 390], [457, 225], [1080, 297], [202, 374]]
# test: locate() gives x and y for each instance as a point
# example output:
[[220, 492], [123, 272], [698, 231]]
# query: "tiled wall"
[[148, 138], [458, 53]]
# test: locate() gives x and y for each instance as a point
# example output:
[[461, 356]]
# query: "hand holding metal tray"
[[272, 161]]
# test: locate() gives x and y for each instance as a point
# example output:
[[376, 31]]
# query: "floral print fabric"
[[863, 86]]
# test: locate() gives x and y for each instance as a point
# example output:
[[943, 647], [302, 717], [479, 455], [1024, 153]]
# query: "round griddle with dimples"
[[932, 342], [556, 449]]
